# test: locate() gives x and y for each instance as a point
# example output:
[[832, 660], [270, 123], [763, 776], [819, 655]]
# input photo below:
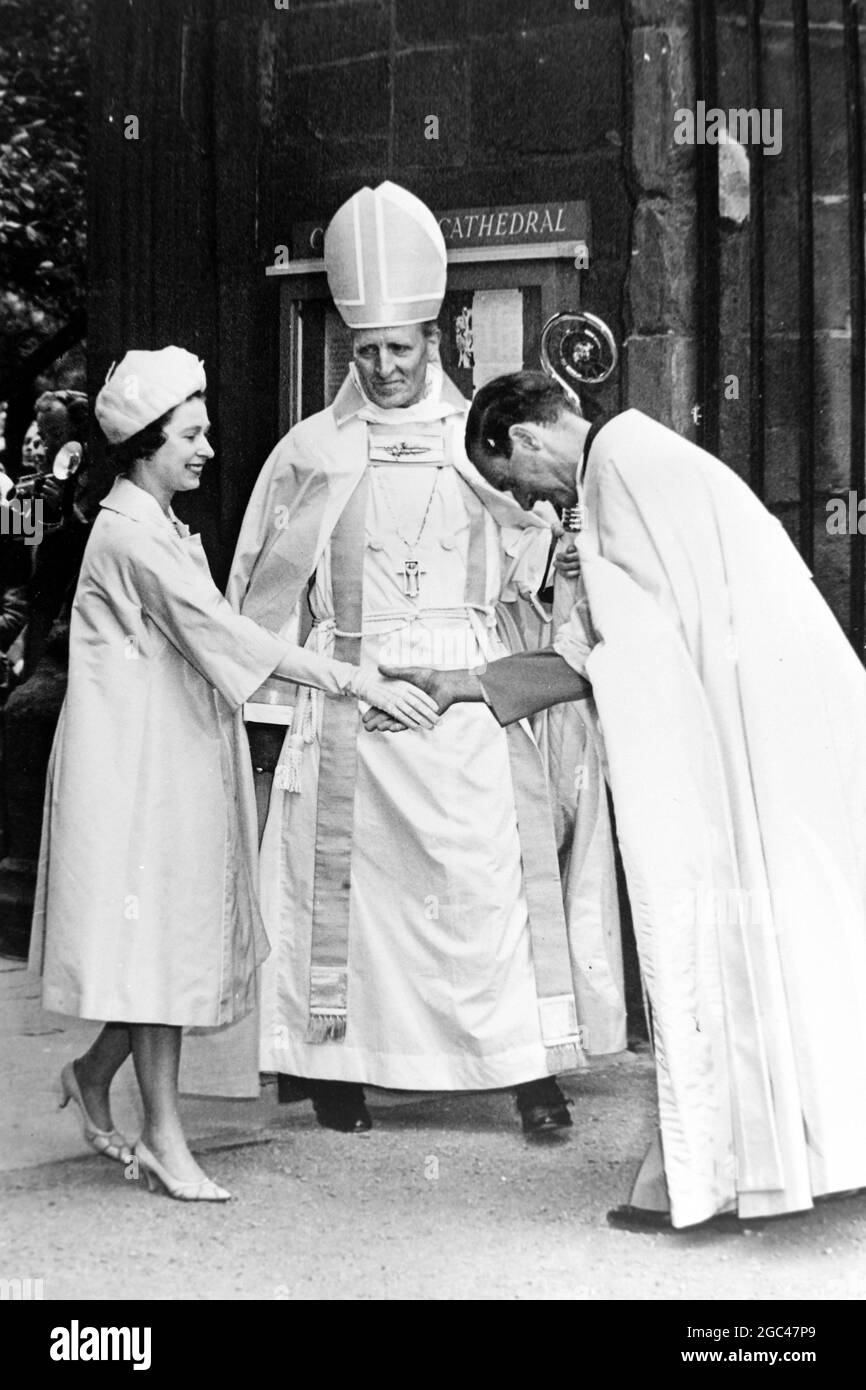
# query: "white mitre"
[[143, 386], [385, 259]]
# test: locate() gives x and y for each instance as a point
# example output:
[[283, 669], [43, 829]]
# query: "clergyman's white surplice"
[[734, 727]]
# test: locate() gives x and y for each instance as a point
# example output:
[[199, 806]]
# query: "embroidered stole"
[[335, 807], [337, 782]]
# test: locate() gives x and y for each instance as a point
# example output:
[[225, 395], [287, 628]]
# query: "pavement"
[[444, 1199]]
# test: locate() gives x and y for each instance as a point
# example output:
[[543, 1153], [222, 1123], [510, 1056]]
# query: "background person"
[[65, 516]]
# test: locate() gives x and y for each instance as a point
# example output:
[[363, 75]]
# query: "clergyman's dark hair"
[[140, 447], [511, 400]]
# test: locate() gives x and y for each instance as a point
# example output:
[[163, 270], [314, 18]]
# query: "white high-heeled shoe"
[[197, 1190], [110, 1143]]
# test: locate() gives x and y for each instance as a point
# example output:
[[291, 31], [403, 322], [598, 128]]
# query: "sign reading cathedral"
[[513, 224]]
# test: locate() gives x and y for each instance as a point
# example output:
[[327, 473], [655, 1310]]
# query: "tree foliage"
[[43, 137]]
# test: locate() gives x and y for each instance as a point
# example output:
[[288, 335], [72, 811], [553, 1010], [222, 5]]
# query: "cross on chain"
[[411, 571], [411, 568]]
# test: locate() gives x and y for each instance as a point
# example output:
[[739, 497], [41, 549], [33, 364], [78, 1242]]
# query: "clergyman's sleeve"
[[518, 686]]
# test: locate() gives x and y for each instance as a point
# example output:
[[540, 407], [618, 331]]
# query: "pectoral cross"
[[412, 572]]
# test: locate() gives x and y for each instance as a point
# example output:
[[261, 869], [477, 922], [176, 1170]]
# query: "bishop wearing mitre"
[[409, 886]]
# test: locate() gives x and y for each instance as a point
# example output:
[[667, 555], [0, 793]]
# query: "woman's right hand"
[[411, 707]]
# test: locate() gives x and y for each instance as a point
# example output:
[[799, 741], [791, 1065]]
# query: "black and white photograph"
[[432, 639]]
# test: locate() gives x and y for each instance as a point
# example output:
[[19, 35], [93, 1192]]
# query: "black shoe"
[[545, 1119], [542, 1107], [639, 1219], [643, 1221], [340, 1105]]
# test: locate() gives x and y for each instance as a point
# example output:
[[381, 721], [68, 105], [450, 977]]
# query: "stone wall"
[[795, 411], [660, 345], [665, 334]]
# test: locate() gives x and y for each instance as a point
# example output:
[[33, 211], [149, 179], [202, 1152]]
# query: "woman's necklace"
[[411, 569]]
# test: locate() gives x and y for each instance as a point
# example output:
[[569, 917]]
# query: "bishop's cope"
[[410, 887]]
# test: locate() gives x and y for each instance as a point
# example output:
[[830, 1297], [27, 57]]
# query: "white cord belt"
[[399, 618]]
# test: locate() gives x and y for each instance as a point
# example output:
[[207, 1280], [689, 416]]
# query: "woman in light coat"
[[146, 915]]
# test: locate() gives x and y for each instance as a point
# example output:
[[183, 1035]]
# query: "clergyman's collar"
[[349, 400], [591, 437]]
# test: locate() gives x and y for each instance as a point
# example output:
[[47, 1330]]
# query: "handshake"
[[412, 697]]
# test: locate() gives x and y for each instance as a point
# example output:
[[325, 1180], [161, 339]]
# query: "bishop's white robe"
[[442, 990]]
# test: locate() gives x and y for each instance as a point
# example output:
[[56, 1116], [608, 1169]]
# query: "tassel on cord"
[[323, 1028], [287, 775]]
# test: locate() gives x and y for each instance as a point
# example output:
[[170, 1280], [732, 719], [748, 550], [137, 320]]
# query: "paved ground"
[[444, 1200]]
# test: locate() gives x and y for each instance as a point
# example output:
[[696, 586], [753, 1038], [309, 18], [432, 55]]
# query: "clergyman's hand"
[[567, 562]]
